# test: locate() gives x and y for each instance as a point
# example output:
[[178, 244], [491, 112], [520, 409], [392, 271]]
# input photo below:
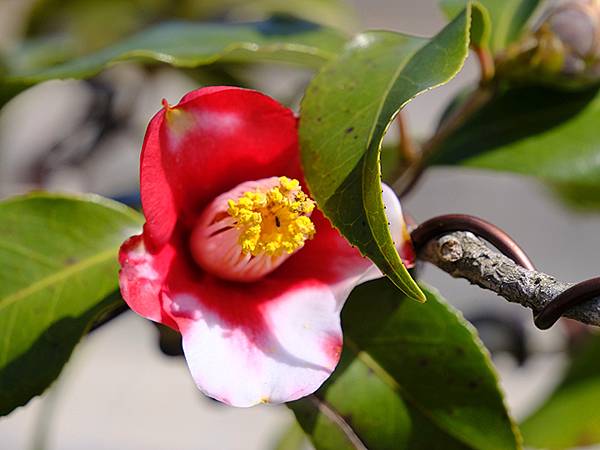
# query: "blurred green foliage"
[[96, 23]]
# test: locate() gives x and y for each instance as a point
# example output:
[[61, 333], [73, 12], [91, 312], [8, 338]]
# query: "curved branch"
[[463, 255]]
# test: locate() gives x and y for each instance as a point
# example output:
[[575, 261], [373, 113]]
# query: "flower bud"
[[563, 49]]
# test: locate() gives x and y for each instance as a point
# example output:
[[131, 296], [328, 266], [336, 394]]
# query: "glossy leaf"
[[570, 417], [508, 18], [539, 132], [59, 268], [412, 376], [186, 44], [344, 115]]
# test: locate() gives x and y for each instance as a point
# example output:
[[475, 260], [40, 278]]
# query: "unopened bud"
[[563, 49]]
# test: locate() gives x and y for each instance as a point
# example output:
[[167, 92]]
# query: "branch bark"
[[463, 255]]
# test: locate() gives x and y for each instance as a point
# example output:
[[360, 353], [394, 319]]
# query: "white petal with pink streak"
[[290, 356]]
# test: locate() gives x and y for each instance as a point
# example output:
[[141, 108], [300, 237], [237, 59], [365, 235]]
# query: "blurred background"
[[119, 389]]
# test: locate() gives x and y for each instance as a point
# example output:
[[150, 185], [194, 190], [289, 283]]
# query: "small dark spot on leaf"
[[474, 384], [460, 351], [355, 136], [71, 260], [319, 119], [349, 129]]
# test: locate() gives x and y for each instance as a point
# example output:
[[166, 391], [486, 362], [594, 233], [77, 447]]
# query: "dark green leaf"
[[570, 417], [195, 44], [535, 131], [344, 115], [59, 267], [508, 17], [412, 376]]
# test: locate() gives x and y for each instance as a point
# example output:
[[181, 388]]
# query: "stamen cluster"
[[273, 222]]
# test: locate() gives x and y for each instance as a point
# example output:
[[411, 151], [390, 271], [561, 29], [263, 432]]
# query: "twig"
[[463, 255], [455, 120], [486, 64], [407, 148]]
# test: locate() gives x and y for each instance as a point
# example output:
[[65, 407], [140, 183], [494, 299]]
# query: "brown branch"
[[478, 98], [407, 148], [486, 64], [463, 255]]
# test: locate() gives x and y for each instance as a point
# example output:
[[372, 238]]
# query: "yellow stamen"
[[273, 222]]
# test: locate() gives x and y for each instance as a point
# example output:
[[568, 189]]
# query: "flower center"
[[252, 229], [275, 221]]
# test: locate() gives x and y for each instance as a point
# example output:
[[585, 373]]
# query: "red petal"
[[214, 139], [142, 277]]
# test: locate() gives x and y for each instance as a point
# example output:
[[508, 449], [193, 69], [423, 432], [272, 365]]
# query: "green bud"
[[563, 49]]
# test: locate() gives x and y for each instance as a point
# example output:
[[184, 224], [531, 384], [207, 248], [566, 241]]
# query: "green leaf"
[[186, 44], [481, 27], [570, 417], [344, 115], [508, 17], [412, 376], [535, 131], [59, 268]]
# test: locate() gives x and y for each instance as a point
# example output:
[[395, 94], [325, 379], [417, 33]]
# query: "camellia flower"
[[234, 253]]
